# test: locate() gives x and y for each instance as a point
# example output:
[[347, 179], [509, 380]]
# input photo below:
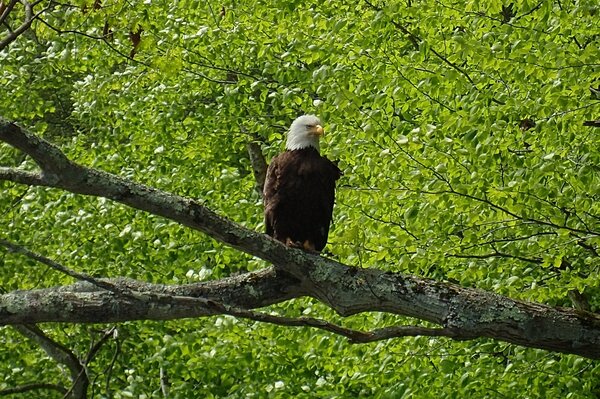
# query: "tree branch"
[[22, 177], [6, 10], [595, 123], [27, 21], [61, 354], [353, 335], [84, 302], [259, 165], [220, 308], [33, 387], [461, 312]]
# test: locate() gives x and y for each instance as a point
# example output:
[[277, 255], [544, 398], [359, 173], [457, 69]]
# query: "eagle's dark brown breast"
[[299, 195]]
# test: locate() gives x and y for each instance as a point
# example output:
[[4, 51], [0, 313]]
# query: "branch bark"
[[462, 313], [259, 165], [595, 123]]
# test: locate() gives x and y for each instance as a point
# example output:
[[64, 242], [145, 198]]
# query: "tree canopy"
[[467, 134]]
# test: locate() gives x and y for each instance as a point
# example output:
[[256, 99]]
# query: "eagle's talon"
[[293, 244], [307, 245]]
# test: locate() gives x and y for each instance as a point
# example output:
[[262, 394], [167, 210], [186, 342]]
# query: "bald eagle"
[[299, 189]]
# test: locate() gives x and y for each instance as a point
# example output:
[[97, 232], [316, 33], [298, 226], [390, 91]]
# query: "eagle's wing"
[[299, 195]]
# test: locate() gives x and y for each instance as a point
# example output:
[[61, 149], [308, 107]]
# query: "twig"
[[508, 212], [33, 387], [536, 261], [529, 12], [164, 382], [415, 41], [96, 347], [453, 65], [355, 336], [60, 353], [16, 248]]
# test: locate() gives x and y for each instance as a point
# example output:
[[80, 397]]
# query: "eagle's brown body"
[[299, 195]]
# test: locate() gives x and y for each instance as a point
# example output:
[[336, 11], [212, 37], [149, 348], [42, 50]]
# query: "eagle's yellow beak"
[[317, 130]]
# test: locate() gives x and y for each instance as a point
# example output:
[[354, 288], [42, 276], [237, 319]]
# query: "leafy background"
[[428, 107]]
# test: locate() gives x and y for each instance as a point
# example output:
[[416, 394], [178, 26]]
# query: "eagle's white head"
[[304, 132]]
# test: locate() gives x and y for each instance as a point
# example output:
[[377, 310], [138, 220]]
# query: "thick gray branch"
[[85, 302], [462, 313]]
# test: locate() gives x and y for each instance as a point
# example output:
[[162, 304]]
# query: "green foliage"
[[428, 108]]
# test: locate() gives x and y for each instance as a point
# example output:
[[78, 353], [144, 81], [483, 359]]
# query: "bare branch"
[[49, 158], [535, 8], [595, 123], [353, 335], [464, 313], [416, 42], [87, 303], [107, 371], [96, 347], [7, 9], [510, 213], [33, 387], [580, 301], [453, 65], [259, 165], [61, 354], [27, 21], [497, 254], [164, 382], [22, 177], [581, 242], [57, 266], [220, 308], [75, 32]]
